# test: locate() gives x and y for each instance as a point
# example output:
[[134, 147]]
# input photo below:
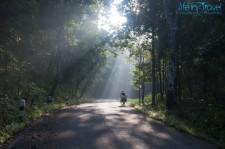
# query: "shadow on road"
[[101, 126]]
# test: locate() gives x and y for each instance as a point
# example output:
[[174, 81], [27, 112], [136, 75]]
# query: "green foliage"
[[199, 67], [133, 102], [46, 48], [53, 48], [32, 113], [203, 121], [9, 130], [8, 110]]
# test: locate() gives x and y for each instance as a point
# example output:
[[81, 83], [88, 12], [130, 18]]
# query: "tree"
[[171, 18]]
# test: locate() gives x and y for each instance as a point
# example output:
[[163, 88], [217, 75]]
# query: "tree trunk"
[[171, 18], [178, 84], [143, 83], [53, 88], [160, 81], [153, 68], [139, 83], [76, 88], [60, 37], [143, 93], [83, 90], [163, 76], [71, 92]]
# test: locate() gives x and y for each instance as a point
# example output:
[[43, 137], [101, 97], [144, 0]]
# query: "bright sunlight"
[[111, 19]]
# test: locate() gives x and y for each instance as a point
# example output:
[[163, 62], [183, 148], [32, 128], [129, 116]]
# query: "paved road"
[[102, 125]]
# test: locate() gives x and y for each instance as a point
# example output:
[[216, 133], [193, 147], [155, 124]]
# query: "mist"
[[116, 76]]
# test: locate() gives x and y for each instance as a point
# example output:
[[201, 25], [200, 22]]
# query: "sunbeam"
[[111, 19], [119, 78]]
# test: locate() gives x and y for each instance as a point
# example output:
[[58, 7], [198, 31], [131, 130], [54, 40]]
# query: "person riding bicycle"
[[123, 97]]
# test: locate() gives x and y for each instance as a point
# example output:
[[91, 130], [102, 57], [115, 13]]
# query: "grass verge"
[[33, 113], [175, 119]]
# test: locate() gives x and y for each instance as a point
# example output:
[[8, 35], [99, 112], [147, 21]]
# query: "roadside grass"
[[33, 113], [192, 120]]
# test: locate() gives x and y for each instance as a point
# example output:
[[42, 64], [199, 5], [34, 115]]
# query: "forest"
[[59, 48]]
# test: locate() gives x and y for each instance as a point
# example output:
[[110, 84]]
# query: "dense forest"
[[56, 48]]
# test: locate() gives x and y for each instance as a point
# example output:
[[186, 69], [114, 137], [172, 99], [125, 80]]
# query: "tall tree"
[[170, 7]]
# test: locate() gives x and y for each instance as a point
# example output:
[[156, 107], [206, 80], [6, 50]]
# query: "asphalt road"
[[102, 125]]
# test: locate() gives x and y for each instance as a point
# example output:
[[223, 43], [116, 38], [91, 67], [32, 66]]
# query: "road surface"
[[102, 125]]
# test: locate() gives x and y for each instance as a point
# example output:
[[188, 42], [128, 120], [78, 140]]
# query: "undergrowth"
[[32, 113], [199, 119]]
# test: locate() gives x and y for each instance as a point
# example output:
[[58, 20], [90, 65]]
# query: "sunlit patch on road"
[[103, 125]]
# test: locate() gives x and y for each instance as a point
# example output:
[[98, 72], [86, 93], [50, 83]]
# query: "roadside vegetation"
[[205, 121], [31, 114], [59, 48], [47, 50]]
